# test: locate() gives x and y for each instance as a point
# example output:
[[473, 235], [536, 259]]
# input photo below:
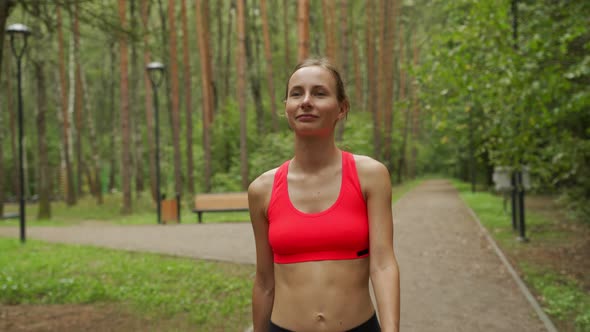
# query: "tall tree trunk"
[[342, 53], [95, 170], [286, 29], [303, 30], [202, 36], [114, 126], [68, 185], [386, 84], [125, 130], [175, 97], [253, 74], [44, 169], [402, 163], [416, 110], [134, 109], [358, 79], [44, 190], [372, 83], [188, 100], [241, 90], [149, 112], [4, 12], [228, 48], [78, 97], [269, 71]]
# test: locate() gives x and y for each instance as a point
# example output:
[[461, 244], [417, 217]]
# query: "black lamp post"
[[155, 73], [16, 32]]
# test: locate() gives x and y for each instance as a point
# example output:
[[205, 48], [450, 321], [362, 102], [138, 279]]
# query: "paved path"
[[451, 277]]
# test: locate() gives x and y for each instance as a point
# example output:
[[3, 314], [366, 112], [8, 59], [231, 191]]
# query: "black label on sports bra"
[[362, 252]]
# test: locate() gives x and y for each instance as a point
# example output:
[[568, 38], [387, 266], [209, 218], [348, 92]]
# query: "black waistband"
[[371, 325]]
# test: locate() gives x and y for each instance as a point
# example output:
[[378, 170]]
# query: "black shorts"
[[372, 325]]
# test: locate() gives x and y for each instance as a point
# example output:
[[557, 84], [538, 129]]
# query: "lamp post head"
[[155, 72], [17, 30]]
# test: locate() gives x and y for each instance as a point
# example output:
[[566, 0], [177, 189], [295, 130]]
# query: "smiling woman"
[[322, 222]]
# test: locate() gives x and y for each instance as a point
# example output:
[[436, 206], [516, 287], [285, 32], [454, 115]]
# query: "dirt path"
[[452, 280]]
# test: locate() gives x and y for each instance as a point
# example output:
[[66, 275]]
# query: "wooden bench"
[[220, 202], [13, 215]]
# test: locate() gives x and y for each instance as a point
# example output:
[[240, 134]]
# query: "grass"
[[562, 297], [207, 294]]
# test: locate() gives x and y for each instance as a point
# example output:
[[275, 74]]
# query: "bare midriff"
[[330, 296]]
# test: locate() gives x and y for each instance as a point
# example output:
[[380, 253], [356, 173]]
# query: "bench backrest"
[[221, 201]]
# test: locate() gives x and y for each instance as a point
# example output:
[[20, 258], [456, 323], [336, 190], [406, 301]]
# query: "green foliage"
[[527, 105], [209, 294]]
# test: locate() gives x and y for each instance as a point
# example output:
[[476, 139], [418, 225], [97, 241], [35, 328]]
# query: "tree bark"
[[402, 161], [372, 83], [149, 103], [228, 48], [68, 186], [134, 109], [416, 110], [269, 68], [188, 100], [175, 97], [202, 36], [253, 75], [303, 30], [241, 90], [95, 171], [125, 117], [390, 17], [114, 126], [44, 190], [78, 97], [286, 29]]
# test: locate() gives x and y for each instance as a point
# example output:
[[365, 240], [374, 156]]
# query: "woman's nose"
[[306, 101]]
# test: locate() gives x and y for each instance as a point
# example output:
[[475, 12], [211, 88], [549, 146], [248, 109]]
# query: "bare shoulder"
[[260, 189], [370, 170]]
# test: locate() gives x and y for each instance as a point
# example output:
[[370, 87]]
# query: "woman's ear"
[[344, 108]]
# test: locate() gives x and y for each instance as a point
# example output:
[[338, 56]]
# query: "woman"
[[322, 223]]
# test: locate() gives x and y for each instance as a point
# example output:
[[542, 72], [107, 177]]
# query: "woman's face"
[[312, 105]]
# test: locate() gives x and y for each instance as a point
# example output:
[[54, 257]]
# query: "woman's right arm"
[[264, 283]]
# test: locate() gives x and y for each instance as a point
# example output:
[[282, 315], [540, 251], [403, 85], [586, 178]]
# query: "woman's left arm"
[[384, 269]]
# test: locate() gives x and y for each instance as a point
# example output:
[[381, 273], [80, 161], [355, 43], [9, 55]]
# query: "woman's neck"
[[315, 153]]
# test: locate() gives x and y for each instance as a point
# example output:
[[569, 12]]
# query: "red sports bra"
[[340, 232]]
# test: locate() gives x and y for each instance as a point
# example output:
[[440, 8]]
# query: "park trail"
[[453, 277]]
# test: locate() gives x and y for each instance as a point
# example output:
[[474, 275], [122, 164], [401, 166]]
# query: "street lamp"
[[156, 72], [20, 32]]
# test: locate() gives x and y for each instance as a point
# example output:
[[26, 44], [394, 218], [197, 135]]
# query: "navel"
[[320, 317]]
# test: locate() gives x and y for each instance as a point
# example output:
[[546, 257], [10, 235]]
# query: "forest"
[[452, 88]]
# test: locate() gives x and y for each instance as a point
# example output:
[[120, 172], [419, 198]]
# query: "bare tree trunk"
[[78, 103], [402, 164], [125, 130], [228, 48], [114, 126], [372, 83], [387, 67], [68, 186], [286, 29], [134, 110], [175, 97], [416, 110], [269, 71], [96, 170], [202, 34], [342, 53], [358, 81], [149, 112], [253, 75], [188, 99], [4, 12], [303, 30], [241, 90], [44, 191]]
